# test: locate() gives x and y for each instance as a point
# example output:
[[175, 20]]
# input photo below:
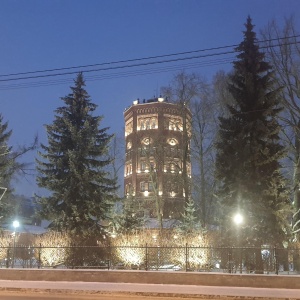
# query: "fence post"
[[109, 257], [8, 254], [230, 262], [30, 256], [146, 262], [186, 257], [241, 259], [276, 261], [39, 259]]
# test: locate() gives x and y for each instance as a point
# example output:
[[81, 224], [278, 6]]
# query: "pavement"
[[169, 290]]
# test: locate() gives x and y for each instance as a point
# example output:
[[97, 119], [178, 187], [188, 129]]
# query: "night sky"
[[42, 35]]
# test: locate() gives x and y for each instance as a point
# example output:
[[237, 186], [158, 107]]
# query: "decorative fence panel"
[[201, 259]]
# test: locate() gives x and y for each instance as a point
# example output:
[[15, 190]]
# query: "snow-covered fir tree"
[[189, 222], [6, 168], [127, 219], [73, 167], [249, 152]]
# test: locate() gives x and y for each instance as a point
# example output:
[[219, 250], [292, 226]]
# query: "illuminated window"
[[153, 123], [146, 141], [147, 124], [143, 186], [150, 186], [173, 123], [129, 145], [143, 165], [128, 189], [172, 142], [128, 169], [128, 128], [172, 167], [146, 186]]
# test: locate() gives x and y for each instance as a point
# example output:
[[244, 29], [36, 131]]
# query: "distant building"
[[157, 165]]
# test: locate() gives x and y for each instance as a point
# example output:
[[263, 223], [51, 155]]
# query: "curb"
[[144, 294]]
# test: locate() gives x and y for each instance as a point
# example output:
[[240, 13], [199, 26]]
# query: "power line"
[[131, 65], [128, 74], [119, 74], [117, 62], [116, 67], [128, 61]]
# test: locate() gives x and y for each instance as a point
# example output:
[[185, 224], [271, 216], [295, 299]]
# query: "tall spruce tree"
[[74, 167], [249, 152], [6, 168], [9, 168]]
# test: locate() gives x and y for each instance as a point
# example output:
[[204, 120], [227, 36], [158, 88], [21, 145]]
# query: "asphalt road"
[[51, 296], [46, 290]]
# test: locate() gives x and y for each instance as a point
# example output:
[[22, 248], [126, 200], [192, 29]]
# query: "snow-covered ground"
[[148, 289]]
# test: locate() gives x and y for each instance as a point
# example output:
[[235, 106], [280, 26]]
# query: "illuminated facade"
[[157, 137]]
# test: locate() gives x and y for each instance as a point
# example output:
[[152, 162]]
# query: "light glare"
[[238, 219], [16, 224]]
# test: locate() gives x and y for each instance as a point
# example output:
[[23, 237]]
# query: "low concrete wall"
[[184, 278]]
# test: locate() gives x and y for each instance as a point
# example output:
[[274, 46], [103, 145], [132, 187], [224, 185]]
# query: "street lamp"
[[238, 219], [16, 224]]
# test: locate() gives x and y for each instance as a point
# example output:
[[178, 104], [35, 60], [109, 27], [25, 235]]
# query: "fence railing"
[[266, 260]]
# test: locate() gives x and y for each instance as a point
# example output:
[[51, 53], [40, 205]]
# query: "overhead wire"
[[117, 62], [116, 67], [143, 58], [119, 74], [128, 73]]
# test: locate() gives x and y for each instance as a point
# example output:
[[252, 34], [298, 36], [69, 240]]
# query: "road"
[[52, 296], [49, 290]]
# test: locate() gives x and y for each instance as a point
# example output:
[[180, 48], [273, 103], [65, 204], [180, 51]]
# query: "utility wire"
[[119, 74], [127, 74], [116, 67], [118, 62], [131, 60], [133, 65]]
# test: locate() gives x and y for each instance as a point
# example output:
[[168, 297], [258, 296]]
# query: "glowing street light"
[[238, 219], [16, 224]]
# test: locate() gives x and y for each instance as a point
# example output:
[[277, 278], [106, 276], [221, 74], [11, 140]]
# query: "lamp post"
[[16, 224], [238, 219]]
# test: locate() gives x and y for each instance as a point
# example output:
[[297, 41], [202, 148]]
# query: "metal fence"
[[267, 260]]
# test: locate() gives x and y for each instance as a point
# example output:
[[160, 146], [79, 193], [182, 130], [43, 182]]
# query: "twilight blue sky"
[[40, 35]]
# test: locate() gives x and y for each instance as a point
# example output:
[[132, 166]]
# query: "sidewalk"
[[170, 290]]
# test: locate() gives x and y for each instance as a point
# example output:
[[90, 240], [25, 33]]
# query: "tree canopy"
[[6, 167], [249, 150], [73, 167]]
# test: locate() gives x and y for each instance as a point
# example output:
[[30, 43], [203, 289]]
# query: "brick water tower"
[[157, 165]]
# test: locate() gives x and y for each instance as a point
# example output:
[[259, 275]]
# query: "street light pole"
[[16, 224], [238, 220]]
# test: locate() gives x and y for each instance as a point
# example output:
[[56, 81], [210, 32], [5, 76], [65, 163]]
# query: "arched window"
[[143, 165], [147, 123], [153, 123]]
